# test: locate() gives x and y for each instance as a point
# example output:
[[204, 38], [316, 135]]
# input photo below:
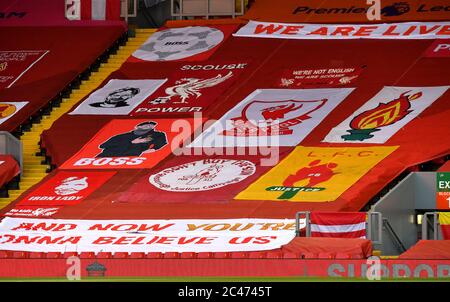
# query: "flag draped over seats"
[[93, 9], [444, 221], [336, 224]]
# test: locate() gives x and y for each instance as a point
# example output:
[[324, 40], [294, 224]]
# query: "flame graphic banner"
[[391, 109]]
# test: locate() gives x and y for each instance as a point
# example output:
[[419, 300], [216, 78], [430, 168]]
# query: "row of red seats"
[[175, 255]]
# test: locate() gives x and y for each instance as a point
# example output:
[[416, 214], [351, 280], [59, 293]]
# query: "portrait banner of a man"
[[117, 97], [131, 144]]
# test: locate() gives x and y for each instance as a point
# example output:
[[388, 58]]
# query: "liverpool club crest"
[[262, 118], [189, 88]]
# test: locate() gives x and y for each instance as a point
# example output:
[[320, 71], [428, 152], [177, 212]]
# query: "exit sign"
[[443, 190]]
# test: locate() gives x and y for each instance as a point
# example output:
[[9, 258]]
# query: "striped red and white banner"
[[339, 225], [93, 9]]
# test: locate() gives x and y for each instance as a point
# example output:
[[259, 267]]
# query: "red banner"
[[66, 188], [438, 49], [318, 77], [131, 144], [14, 64], [192, 88], [32, 211], [218, 178], [9, 168]]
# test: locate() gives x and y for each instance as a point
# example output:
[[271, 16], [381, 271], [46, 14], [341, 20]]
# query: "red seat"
[[87, 255], [70, 254], [36, 255], [120, 255], [104, 255], [415, 168], [154, 255], [221, 255], [53, 255], [308, 255], [188, 255], [171, 255], [137, 255], [342, 256], [20, 254], [4, 254], [204, 255], [274, 255], [356, 256], [239, 255], [325, 255], [257, 255], [291, 255]]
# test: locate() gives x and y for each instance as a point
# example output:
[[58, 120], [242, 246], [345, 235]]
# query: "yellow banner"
[[315, 174], [444, 218]]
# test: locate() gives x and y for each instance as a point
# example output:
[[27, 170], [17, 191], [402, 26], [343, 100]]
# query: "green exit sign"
[[443, 190], [443, 182]]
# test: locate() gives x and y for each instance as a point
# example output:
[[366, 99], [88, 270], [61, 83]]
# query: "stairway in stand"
[[35, 168]]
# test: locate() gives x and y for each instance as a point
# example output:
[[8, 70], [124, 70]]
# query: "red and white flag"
[[340, 225], [93, 9]]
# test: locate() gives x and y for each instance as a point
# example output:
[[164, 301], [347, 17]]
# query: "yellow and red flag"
[[444, 221], [315, 174]]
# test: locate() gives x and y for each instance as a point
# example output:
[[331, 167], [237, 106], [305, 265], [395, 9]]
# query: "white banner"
[[215, 235], [118, 97], [8, 109], [407, 30], [384, 114], [179, 43], [272, 117]]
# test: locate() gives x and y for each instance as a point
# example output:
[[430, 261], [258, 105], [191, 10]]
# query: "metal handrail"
[[9, 144], [391, 231], [425, 221], [124, 9], [378, 217], [297, 223], [207, 13]]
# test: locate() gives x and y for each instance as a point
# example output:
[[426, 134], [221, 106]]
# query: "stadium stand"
[[357, 121]]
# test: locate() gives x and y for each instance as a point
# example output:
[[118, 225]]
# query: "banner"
[[315, 174], [407, 30], [131, 144], [9, 168], [118, 97], [338, 224], [317, 77], [384, 114], [444, 221], [192, 88], [197, 179], [15, 63], [193, 235], [438, 49], [192, 43], [8, 109], [272, 117], [349, 11], [66, 188], [33, 211]]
